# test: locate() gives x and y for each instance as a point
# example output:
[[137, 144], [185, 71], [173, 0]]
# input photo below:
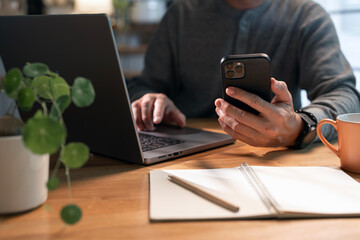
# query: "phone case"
[[250, 72]]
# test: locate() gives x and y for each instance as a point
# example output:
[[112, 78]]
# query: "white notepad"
[[261, 192]]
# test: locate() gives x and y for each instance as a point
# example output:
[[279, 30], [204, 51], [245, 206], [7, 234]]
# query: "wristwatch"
[[308, 133]]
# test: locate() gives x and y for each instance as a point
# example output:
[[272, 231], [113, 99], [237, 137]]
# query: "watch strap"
[[310, 123]]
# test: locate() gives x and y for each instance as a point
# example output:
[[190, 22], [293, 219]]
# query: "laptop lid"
[[84, 45]]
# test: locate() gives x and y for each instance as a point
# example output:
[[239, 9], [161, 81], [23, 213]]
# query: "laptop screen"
[[72, 46]]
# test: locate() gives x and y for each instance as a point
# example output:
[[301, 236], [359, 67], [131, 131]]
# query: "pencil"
[[204, 194]]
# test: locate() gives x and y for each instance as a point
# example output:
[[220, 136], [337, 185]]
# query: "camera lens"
[[239, 69], [229, 65], [230, 74]]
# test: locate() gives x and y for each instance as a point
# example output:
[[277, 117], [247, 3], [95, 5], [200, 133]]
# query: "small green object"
[[83, 93], [41, 85], [53, 183], [59, 87], [75, 154], [47, 207], [71, 214], [62, 102], [26, 98], [27, 82], [35, 69], [52, 74], [38, 114], [44, 135], [121, 4], [12, 82]]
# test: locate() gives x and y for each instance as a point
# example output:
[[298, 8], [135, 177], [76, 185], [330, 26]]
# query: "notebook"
[[84, 45], [261, 192]]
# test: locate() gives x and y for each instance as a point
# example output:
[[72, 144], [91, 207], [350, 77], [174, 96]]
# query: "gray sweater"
[[183, 57]]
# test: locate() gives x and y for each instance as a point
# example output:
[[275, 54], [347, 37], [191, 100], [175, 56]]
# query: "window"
[[346, 17]]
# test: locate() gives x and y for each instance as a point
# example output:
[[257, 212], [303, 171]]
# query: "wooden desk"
[[114, 197]]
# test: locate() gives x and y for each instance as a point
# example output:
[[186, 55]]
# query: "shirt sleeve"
[[324, 71]]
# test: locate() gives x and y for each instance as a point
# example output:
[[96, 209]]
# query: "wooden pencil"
[[204, 194]]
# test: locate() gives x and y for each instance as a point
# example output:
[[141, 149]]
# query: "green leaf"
[[12, 82], [53, 183], [52, 74], [41, 85], [75, 155], [62, 102], [35, 69], [43, 135], [27, 82], [26, 98], [83, 93], [59, 87], [71, 214], [38, 114]]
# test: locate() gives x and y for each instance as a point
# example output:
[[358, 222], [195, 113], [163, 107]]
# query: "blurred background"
[[346, 17], [134, 22]]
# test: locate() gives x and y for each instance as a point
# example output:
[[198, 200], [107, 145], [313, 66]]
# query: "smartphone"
[[250, 72]]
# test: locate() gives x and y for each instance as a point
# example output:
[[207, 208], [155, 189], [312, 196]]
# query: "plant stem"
[[57, 166], [58, 111], [67, 172], [44, 107]]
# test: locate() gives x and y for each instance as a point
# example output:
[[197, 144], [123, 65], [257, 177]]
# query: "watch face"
[[309, 138]]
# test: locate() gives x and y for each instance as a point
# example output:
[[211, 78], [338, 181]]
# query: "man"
[[182, 74]]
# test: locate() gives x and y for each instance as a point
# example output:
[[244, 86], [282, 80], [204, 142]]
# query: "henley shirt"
[[183, 57]]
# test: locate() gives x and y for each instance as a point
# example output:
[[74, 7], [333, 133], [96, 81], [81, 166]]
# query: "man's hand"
[[276, 125], [153, 108]]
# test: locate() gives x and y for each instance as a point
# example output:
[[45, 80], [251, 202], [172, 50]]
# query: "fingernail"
[[156, 119], [230, 91], [218, 103]]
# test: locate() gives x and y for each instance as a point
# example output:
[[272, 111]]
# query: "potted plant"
[[25, 147]]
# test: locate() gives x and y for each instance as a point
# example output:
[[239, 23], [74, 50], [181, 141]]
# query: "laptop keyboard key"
[[149, 142]]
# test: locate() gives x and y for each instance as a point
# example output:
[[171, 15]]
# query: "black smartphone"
[[250, 72]]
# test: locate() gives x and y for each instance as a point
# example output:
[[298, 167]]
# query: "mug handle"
[[323, 139]]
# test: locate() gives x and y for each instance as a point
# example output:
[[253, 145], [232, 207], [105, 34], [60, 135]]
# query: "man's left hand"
[[276, 125]]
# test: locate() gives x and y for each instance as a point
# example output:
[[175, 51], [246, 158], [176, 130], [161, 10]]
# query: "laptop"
[[84, 45]]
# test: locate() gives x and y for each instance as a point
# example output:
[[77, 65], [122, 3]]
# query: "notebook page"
[[318, 190], [168, 201]]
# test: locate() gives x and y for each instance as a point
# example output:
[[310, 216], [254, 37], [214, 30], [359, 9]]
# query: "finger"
[[238, 127], [235, 135], [137, 115], [159, 109], [147, 105], [179, 117], [240, 115], [280, 89], [251, 99], [173, 114]]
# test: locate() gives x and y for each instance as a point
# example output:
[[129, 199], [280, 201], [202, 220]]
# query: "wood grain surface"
[[114, 197]]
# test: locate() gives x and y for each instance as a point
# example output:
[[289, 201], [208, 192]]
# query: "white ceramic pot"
[[23, 176]]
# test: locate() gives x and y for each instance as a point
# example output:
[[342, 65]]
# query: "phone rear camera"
[[230, 74], [229, 65], [239, 69]]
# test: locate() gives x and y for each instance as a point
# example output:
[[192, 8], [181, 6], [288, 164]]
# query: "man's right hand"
[[153, 108]]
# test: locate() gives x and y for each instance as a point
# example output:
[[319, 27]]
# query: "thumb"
[[173, 114], [179, 118], [282, 94]]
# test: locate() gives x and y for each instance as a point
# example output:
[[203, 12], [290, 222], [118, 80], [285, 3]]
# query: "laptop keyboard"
[[149, 142]]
